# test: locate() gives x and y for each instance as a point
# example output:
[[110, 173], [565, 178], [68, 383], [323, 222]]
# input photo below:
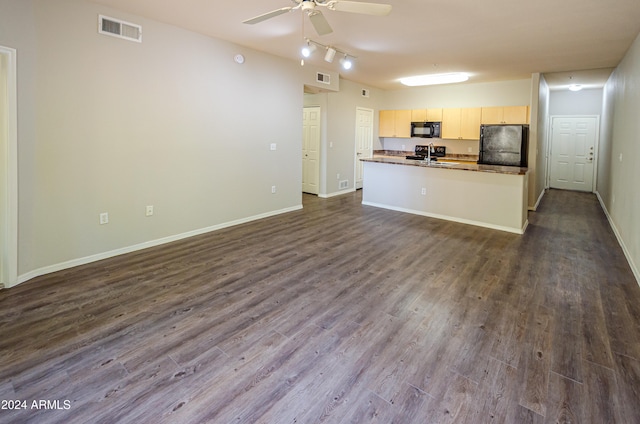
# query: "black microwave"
[[425, 129]]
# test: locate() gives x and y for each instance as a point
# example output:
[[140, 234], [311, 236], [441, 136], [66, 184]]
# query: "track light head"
[[346, 62], [331, 53], [308, 49]]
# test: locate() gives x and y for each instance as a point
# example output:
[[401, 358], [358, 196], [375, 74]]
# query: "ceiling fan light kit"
[[316, 17], [320, 23]]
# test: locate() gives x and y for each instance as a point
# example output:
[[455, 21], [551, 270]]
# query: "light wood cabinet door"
[[461, 123], [394, 123], [505, 115], [470, 123], [516, 115], [434, 115], [492, 115], [451, 123], [403, 123], [387, 123], [419, 115]]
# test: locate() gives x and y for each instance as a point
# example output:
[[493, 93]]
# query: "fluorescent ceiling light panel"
[[434, 79]]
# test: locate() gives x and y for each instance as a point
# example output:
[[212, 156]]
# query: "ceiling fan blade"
[[320, 23], [378, 9], [267, 15]]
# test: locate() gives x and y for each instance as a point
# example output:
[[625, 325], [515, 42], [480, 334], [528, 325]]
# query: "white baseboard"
[[337, 193], [453, 219], [634, 268], [105, 255], [535, 207]]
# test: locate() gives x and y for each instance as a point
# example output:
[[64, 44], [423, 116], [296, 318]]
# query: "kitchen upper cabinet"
[[505, 115], [461, 123], [434, 115], [395, 123], [426, 115], [418, 115]]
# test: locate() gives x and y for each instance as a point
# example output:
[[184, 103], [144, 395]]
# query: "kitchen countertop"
[[446, 163], [404, 153]]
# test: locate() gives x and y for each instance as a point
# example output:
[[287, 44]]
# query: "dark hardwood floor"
[[338, 313]]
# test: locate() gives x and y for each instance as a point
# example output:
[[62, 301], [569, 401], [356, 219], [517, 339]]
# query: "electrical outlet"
[[424, 191], [149, 210], [337, 176], [104, 218], [273, 189], [469, 149], [620, 158]]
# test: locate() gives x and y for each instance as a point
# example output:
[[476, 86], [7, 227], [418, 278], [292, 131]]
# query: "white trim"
[[355, 143], [634, 268], [450, 218], [596, 148], [10, 268], [105, 255], [336, 193], [535, 207]]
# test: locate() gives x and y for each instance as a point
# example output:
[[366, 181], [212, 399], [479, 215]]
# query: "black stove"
[[421, 152]]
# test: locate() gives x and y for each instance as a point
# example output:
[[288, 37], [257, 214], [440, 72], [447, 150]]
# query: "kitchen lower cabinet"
[[485, 197], [461, 123]]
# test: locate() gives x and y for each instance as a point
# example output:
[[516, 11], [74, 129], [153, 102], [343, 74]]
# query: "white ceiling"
[[492, 40]]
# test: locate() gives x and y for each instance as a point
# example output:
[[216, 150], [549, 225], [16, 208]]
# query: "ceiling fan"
[[316, 17]]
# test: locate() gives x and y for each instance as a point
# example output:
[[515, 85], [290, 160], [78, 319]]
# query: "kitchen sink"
[[441, 164]]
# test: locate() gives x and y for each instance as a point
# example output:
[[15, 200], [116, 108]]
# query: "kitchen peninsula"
[[484, 195]]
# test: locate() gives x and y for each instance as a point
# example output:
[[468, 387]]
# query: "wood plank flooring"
[[338, 313]]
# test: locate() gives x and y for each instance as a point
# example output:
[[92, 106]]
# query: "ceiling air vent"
[[120, 29], [323, 78]]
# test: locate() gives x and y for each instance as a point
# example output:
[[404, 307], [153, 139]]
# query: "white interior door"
[[311, 149], [364, 141], [573, 153], [8, 169]]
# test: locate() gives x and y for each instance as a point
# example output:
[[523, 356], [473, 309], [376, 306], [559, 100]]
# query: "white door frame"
[[355, 142], [9, 178], [317, 173], [595, 153]]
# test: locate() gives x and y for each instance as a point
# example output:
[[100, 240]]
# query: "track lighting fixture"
[[307, 50]]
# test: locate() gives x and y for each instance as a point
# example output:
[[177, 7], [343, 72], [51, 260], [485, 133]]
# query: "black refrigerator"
[[504, 145]]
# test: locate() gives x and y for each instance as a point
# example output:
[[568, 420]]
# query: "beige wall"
[[107, 125], [618, 179], [538, 141], [337, 150]]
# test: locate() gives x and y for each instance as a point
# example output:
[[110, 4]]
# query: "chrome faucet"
[[429, 151]]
